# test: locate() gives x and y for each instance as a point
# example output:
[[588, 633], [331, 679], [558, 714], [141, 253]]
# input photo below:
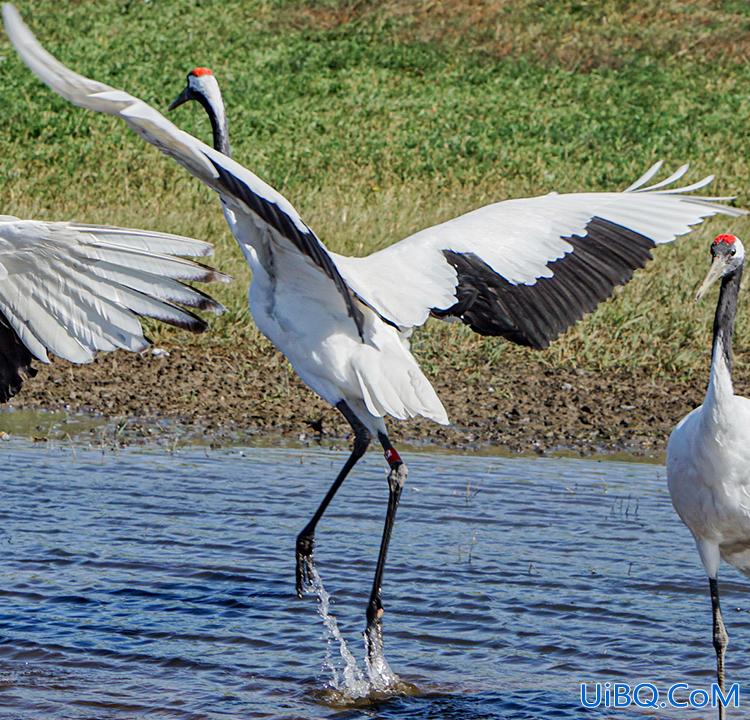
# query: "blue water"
[[142, 584]]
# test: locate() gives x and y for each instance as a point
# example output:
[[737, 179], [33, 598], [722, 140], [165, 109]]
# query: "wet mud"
[[219, 395]]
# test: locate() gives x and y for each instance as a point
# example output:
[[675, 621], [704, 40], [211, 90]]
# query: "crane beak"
[[714, 273], [183, 97]]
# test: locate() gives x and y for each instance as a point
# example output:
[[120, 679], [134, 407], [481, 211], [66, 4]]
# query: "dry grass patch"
[[576, 35]]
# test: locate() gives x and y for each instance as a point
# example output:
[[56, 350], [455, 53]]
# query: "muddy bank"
[[220, 395]]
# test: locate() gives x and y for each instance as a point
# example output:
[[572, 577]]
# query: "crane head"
[[201, 86], [727, 256]]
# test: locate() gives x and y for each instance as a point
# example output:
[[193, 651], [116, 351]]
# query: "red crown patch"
[[725, 238], [200, 71]]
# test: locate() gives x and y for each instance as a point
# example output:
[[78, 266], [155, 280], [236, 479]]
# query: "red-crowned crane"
[[72, 289], [708, 455], [523, 269]]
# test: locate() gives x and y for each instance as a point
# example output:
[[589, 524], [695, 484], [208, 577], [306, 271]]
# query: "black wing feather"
[[306, 242], [534, 315], [15, 361]]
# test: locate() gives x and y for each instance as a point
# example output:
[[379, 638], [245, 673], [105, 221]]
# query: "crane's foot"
[[374, 631], [721, 641], [305, 564]]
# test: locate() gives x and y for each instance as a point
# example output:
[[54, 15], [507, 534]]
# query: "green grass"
[[378, 119]]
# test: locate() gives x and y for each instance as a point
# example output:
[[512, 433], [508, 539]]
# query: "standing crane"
[[524, 269], [72, 289], [708, 455]]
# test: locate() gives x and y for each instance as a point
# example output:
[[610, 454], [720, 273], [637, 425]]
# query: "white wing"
[[528, 268], [241, 190], [525, 269], [71, 290]]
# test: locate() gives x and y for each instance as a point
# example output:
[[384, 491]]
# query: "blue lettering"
[[648, 701], [646, 695], [621, 695], [732, 696], [596, 702], [673, 701], [699, 703]]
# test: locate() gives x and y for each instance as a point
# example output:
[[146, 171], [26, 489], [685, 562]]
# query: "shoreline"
[[218, 396], [86, 429]]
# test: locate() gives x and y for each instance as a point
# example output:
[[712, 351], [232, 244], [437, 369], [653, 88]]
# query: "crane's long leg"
[[721, 639], [306, 539], [396, 479]]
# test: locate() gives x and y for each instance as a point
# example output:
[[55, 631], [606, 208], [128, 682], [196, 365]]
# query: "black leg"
[[306, 539], [721, 639], [396, 479]]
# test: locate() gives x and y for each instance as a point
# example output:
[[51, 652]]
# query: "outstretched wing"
[[528, 269], [241, 190], [72, 290], [525, 269]]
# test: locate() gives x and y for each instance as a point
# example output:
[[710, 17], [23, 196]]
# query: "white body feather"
[[708, 471]]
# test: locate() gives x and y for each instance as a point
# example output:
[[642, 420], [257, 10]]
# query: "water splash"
[[350, 682], [382, 678]]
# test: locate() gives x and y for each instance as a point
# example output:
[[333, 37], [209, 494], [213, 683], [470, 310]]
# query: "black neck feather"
[[219, 127], [726, 311]]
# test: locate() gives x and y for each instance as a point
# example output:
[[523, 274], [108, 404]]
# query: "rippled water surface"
[[139, 584]]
